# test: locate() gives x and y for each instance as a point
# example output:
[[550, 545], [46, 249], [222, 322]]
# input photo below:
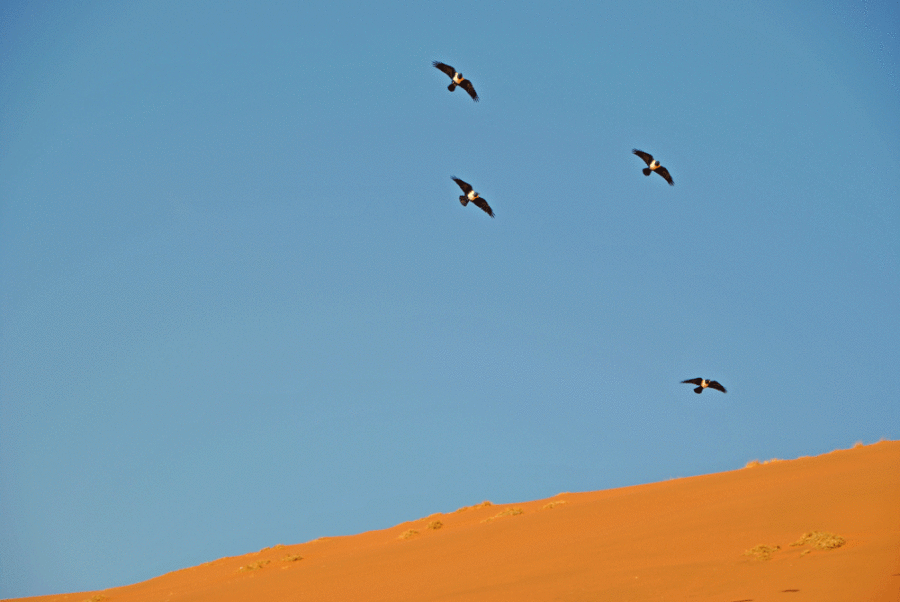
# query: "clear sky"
[[242, 305]]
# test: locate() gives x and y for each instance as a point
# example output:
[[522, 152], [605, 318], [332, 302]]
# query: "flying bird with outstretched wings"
[[474, 197], [653, 165], [702, 383], [458, 79]]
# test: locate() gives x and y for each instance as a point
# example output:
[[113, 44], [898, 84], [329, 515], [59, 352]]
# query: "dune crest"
[[815, 528]]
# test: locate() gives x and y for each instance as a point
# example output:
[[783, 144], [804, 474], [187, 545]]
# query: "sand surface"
[[684, 539]]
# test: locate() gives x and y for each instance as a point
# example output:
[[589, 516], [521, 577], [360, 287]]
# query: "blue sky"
[[241, 304]]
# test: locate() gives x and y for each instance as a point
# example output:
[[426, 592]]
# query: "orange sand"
[[683, 539]]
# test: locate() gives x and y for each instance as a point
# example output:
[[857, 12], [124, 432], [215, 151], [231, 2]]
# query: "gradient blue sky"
[[241, 304]]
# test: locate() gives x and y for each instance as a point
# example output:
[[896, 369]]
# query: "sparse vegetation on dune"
[[753, 463], [255, 565], [762, 552], [550, 505], [511, 512], [483, 504], [796, 550], [507, 512], [820, 540]]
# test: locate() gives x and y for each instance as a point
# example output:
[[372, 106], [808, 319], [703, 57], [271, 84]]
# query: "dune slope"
[[724, 537]]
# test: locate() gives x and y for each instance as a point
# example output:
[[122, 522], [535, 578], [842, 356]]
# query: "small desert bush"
[[275, 547], [435, 524], [255, 565], [553, 504], [408, 534], [507, 512], [292, 558], [753, 463], [762, 552], [820, 540], [483, 504]]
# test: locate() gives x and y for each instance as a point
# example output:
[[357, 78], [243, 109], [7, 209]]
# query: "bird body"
[[457, 79], [703, 383], [472, 196], [653, 166]]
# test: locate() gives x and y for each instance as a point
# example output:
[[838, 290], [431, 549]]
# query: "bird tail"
[[464, 200], [646, 171], [452, 87], [698, 390]]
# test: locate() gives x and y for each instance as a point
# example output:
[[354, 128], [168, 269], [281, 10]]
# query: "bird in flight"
[[471, 195], [702, 383], [653, 165], [458, 79]]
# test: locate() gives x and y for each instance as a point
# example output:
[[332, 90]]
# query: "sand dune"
[[685, 539]]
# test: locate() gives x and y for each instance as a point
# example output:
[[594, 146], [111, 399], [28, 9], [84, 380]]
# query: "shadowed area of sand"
[[685, 539]]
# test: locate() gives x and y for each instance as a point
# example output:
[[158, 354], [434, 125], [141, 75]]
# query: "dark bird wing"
[[647, 157], [482, 204], [468, 87], [665, 174], [464, 185], [693, 381], [450, 71], [715, 385]]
